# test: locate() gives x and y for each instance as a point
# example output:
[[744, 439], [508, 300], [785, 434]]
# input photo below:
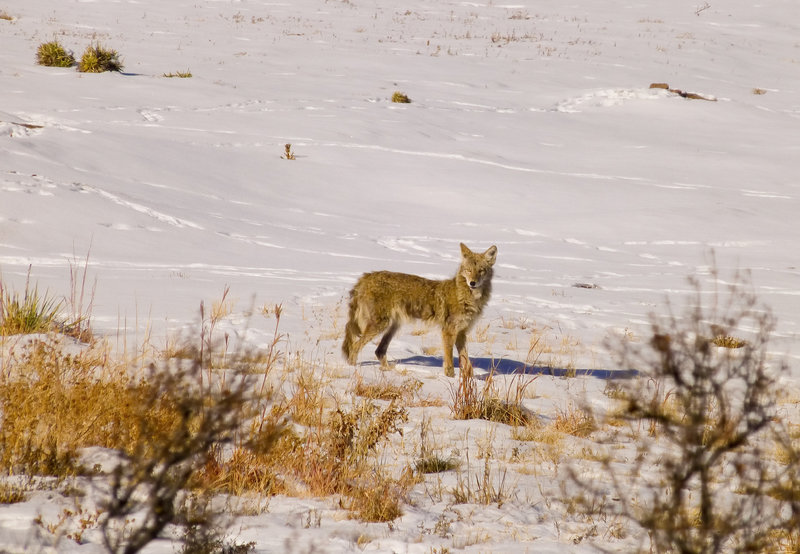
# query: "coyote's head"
[[476, 269]]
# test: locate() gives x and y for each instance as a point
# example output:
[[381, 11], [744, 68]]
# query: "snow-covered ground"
[[532, 126]]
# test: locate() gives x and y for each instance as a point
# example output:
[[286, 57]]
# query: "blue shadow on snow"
[[512, 367]]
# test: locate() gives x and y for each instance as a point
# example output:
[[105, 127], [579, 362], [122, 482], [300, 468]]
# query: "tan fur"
[[382, 301]]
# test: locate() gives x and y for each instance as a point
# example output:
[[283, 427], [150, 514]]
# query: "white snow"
[[532, 126]]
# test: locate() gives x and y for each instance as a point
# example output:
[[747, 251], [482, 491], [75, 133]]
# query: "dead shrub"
[[706, 481]]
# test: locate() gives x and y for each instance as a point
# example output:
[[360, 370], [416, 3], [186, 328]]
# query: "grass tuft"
[[469, 403], [388, 391], [52, 54], [97, 59], [726, 341], [29, 313], [11, 494], [179, 74], [435, 464], [575, 421], [400, 98]]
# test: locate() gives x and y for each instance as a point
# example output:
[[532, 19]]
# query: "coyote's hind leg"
[[383, 346]]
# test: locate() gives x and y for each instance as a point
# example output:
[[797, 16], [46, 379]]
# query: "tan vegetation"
[[197, 421], [99, 59], [179, 74], [288, 154], [704, 471], [52, 54]]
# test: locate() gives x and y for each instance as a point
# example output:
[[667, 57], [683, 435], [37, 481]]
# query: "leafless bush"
[[168, 451], [704, 422]]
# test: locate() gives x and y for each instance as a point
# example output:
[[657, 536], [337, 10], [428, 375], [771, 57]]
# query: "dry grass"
[[468, 402], [726, 341], [575, 421], [384, 390], [173, 420], [487, 486], [338, 455], [288, 154], [11, 494], [178, 74], [28, 313], [400, 98], [52, 54], [430, 459], [52, 403], [286, 425], [98, 59]]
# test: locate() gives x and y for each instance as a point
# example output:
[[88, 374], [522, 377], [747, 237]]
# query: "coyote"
[[383, 300]]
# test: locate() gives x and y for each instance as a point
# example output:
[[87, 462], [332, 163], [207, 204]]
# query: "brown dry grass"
[[472, 402]]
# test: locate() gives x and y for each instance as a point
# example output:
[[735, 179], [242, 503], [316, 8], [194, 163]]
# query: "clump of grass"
[[435, 464], [575, 421], [98, 59], [727, 341], [11, 494], [52, 54], [337, 457], [469, 403], [51, 405], [380, 498], [387, 391], [485, 487], [429, 461], [179, 74], [5, 16], [400, 98], [30, 313]]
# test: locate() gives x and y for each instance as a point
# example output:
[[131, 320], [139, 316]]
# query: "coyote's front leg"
[[463, 358], [447, 357]]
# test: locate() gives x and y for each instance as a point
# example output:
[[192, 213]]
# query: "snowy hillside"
[[532, 126]]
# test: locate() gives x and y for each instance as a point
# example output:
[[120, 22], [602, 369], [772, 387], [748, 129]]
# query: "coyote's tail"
[[352, 332]]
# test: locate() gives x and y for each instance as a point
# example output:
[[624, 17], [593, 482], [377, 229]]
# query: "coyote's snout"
[[381, 301]]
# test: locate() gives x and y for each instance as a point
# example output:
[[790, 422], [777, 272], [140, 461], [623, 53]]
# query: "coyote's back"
[[381, 301]]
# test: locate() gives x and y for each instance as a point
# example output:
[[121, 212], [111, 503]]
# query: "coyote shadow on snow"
[[505, 366]]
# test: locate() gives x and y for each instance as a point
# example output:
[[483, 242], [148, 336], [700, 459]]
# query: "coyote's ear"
[[491, 255], [465, 251]]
